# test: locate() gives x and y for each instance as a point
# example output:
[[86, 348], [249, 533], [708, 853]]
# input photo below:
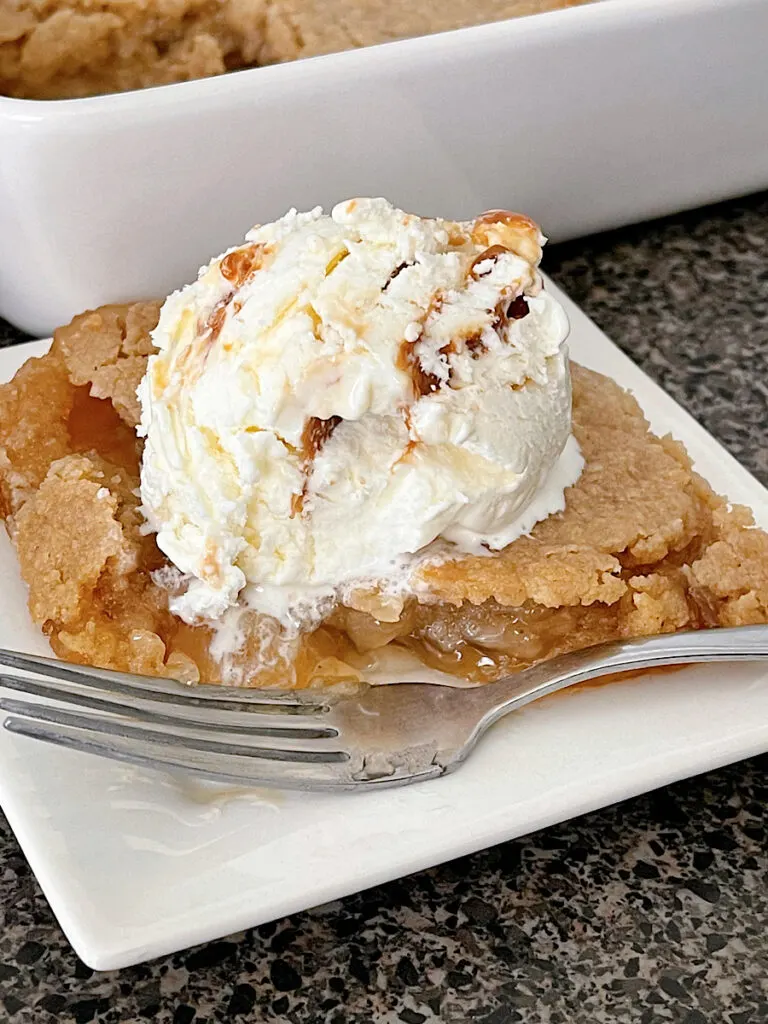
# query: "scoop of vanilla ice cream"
[[336, 398]]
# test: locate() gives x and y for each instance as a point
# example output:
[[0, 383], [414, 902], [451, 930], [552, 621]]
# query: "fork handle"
[[740, 643]]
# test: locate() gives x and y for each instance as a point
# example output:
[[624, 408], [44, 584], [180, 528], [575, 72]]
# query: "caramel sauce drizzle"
[[313, 437], [317, 431], [315, 434], [475, 346], [236, 268], [491, 253], [423, 383], [514, 231], [216, 320], [505, 310], [505, 217]]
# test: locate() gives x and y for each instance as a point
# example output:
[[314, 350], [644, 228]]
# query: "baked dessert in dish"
[[360, 440], [306, 28], [62, 49]]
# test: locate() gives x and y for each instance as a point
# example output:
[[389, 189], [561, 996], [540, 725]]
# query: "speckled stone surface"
[[652, 911]]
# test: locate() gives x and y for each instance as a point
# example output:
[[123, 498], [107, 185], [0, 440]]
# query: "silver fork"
[[375, 737]]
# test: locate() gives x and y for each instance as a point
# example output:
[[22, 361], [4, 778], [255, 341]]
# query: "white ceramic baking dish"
[[585, 118]]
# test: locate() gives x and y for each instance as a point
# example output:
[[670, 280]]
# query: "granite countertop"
[[651, 911]]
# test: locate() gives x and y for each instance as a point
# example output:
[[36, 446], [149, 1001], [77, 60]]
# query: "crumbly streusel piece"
[[656, 603], [107, 350], [57, 49], [69, 480], [81, 549], [89, 579], [731, 576], [69, 533], [34, 411]]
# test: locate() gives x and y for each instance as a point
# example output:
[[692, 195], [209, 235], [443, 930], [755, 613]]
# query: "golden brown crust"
[[655, 604], [733, 571], [305, 28], [34, 410], [58, 49], [107, 349], [644, 546], [529, 571], [68, 535]]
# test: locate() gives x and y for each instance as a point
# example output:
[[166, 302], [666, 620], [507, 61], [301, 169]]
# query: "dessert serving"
[[60, 49], [355, 437]]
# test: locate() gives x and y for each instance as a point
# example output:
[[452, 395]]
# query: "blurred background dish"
[[64, 49], [587, 118]]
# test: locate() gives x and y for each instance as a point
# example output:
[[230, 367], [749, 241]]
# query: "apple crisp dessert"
[[63, 49], [642, 546]]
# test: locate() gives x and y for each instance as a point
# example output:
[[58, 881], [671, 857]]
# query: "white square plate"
[[137, 864]]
